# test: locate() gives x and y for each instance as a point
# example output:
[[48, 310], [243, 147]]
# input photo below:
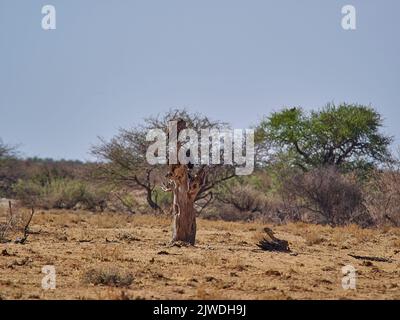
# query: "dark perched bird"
[[271, 243], [190, 165]]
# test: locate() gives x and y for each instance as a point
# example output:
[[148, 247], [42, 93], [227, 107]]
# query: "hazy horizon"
[[109, 65]]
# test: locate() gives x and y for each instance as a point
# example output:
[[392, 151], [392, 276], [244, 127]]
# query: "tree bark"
[[184, 214], [185, 185]]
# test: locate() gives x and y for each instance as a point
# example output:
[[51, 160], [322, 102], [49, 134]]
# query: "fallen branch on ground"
[[379, 259]]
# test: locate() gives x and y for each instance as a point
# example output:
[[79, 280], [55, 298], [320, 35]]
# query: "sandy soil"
[[88, 250]]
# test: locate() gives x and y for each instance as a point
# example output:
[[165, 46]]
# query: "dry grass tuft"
[[108, 252], [313, 237], [360, 234], [108, 277], [224, 264], [396, 243]]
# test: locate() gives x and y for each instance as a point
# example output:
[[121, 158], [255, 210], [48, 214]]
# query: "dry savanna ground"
[[112, 256]]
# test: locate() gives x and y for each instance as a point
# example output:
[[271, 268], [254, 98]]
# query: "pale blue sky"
[[111, 63]]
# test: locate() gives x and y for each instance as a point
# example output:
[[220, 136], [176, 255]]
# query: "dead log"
[[378, 259]]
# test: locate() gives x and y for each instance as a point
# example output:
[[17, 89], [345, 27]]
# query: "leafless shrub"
[[382, 195], [237, 202], [229, 213], [123, 164], [13, 221], [7, 221], [244, 198], [327, 196]]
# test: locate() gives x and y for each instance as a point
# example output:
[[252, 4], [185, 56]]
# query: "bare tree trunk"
[[184, 215], [185, 189], [185, 185]]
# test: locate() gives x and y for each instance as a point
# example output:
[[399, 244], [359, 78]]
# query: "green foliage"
[[41, 171], [7, 159], [61, 194], [6, 151], [346, 136], [162, 198], [244, 193], [128, 201]]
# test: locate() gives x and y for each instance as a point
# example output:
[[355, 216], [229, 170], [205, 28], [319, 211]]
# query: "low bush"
[[242, 197], [61, 194], [382, 197], [324, 195], [162, 198], [108, 277]]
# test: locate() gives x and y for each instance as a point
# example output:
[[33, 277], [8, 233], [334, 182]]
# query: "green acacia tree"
[[6, 151], [8, 174], [346, 136]]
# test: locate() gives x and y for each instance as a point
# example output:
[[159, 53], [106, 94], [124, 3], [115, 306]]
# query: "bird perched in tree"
[[190, 165]]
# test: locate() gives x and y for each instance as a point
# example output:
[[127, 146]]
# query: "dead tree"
[[12, 224], [26, 229], [124, 165], [185, 189], [8, 225], [185, 184]]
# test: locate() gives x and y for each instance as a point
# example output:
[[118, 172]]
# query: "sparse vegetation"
[[327, 196], [108, 277], [14, 222], [329, 190], [225, 264], [313, 237], [317, 167], [61, 194]]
